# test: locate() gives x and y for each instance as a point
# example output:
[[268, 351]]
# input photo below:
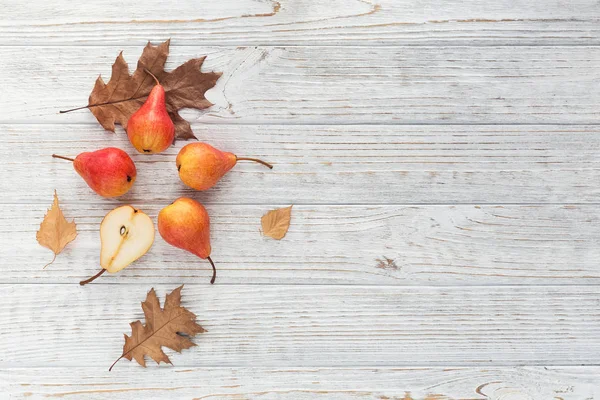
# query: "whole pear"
[[150, 129], [200, 165], [185, 224], [110, 172]]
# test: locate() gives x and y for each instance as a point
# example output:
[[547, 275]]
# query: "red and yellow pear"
[[110, 172], [200, 165], [185, 224], [150, 129]]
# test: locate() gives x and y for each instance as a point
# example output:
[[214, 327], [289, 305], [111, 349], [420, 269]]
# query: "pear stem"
[[266, 164], [214, 270], [62, 157], [92, 278], [152, 75]]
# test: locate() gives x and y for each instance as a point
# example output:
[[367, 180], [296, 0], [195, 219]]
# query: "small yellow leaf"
[[275, 223], [55, 231]]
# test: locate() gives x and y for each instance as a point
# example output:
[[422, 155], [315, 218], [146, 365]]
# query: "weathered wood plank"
[[349, 231], [566, 383], [327, 164], [390, 245], [310, 326], [357, 22], [331, 85]]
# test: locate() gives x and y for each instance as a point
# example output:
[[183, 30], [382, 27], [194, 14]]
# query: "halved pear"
[[126, 234]]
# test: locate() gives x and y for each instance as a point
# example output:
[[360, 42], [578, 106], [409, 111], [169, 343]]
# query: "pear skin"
[[185, 224], [150, 129], [110, 172], [201, 166]]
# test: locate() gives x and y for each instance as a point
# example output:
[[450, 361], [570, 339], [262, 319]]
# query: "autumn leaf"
[[55, 231], [275, 223], [114, 102], [164, 327]]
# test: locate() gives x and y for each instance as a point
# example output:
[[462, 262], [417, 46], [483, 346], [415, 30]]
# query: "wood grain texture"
[[359, 164], [331, 85], [333, 22], [525, 383], [310, 326], [358, 245], [442, 157]]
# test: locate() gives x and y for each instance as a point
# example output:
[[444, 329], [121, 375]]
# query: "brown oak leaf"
[[164, 327], [276, 223], [55, 231], [115, 101]]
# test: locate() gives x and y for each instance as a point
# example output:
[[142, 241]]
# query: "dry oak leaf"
[[55, 231], [164, 327], [276, 223], [115, 101]]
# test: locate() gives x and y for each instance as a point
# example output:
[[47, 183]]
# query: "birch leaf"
[[276, 223], [55, 231]]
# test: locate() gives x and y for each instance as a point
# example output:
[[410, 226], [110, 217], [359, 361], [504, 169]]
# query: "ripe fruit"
[[126, 234], [150, 129], [185, 224], [201, 166], [110, 172]]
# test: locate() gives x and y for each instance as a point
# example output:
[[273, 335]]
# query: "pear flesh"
[[126, 234]]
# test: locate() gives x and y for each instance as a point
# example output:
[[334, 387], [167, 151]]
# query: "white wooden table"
[[459, 140]]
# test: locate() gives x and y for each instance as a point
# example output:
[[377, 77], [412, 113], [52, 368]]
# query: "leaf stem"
[[73, 109], [50, 261], [255, 160], [214, 270], [62, 157], [92, 278], [113, 364]]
